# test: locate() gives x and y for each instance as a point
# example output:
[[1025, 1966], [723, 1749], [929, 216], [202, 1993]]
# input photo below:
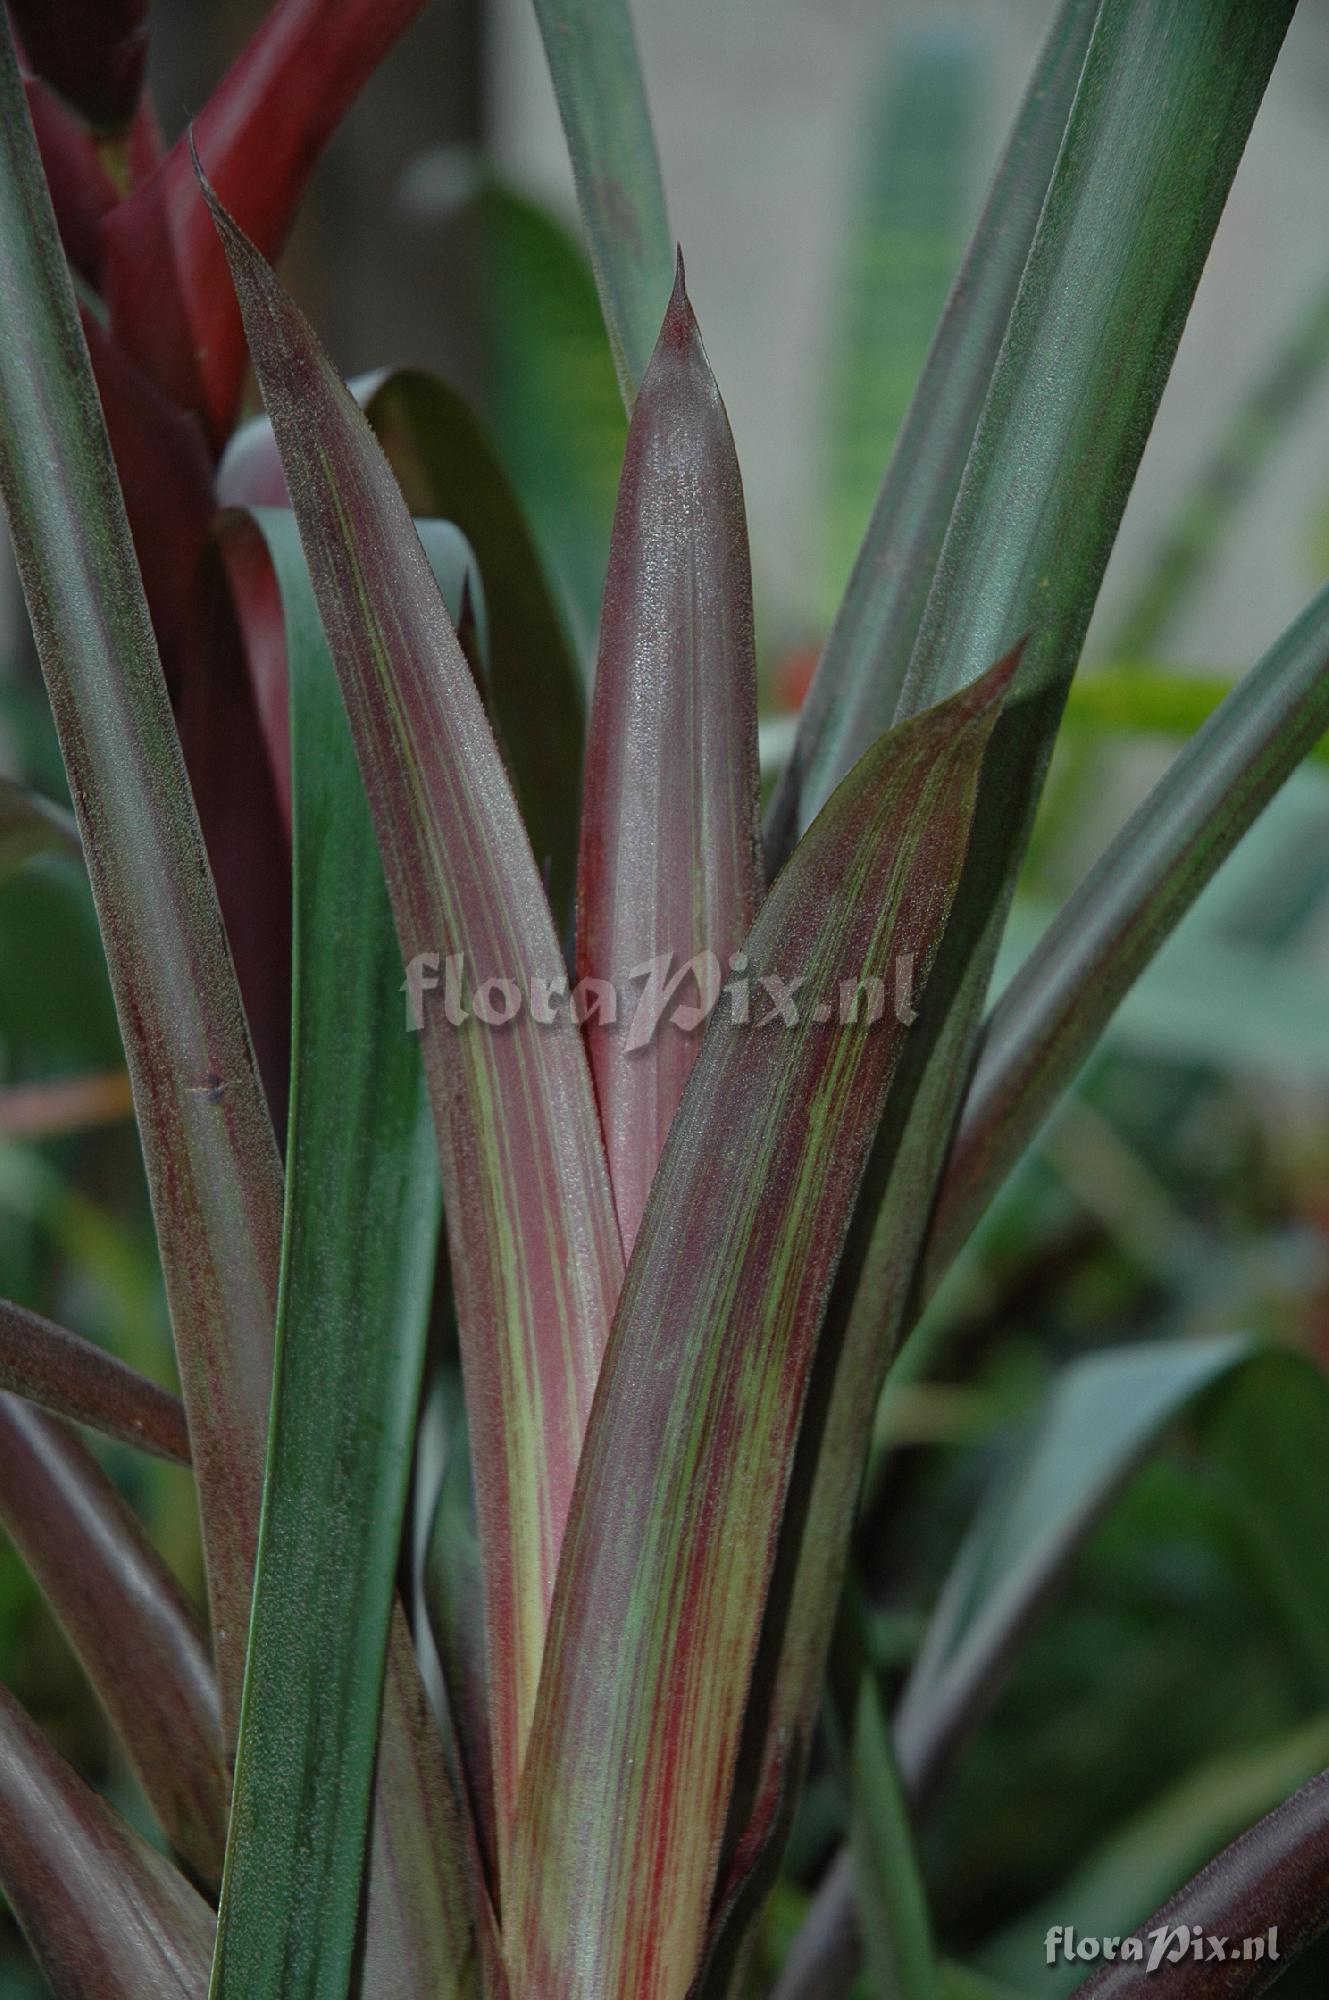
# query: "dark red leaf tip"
[[679, 329]]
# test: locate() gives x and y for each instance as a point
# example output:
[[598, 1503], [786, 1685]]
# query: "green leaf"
[[106, 1916], [57, 1012], [672, 1537], [890, 1895], [535, 1252], [207, 1140], [137, 1639], [32, 825], [854, 695], [1053, 1012], [670, 867], [1159, 120], [550, 391], [360, 1175], [592, 57], [1265, 1445], [72, 1378]]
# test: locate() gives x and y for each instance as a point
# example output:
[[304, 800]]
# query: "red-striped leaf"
[[448, 469], [260, 135], [536, 1255], [669, 866], [124, 1615], [672, 1538], [107, 1918], [72, 1378], [211, 1163]]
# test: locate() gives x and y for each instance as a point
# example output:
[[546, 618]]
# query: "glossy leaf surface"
[[669, 869], [447, 469], [1277, 1874], [1165, 101]]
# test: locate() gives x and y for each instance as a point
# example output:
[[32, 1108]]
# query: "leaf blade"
[[32, 825], [626, 1792], [207, 1140], [514, 1112], [855, 692], [106, 1917], [350, 1349], [592, 55], [73, 1378], [1060, 1001], [669, 862], [1038, 507], [127, 1620]]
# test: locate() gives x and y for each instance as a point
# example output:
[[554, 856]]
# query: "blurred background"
[[824, 161]]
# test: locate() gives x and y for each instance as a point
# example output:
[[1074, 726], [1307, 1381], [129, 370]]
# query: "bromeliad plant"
[[561, 1757]]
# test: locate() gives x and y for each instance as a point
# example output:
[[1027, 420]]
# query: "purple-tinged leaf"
[[1271, 1885], [448, 470], [72, 1378], [259, 135], [212, 1166], [536, 1257], [670, 866], [672, 1538], [127, 1620], [92, 51], [106, 1916]]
